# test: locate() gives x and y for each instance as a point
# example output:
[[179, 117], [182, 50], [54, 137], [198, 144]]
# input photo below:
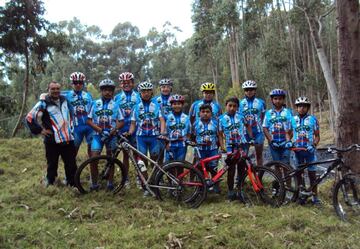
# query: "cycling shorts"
[[209, 153], [306, 157], [97, 145], [147, 144], [176, 153], [82, 131]]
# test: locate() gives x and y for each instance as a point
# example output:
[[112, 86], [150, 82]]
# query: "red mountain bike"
[[257, 184]]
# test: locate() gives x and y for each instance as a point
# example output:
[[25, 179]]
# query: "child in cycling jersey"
[[253, 109], [208, 91], [307, 136], [146, 120], [206, 130], [232, 126], [178, 129], [277, 127], [106, 119]]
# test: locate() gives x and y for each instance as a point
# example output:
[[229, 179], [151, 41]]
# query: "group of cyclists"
[[143, 118]]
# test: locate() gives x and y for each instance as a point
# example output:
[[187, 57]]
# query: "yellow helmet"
[[207, 86]]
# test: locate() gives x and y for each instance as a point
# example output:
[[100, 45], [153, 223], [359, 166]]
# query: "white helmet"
[[77, 76], [145, 86], [107, 83], [249, 84], [302, 100], [166, 82]]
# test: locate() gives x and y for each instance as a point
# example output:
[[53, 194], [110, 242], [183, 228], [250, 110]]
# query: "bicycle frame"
[[336, 163], [130, 150], [256, 183]]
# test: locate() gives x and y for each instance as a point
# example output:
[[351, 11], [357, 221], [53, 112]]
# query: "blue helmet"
[[277, 92]]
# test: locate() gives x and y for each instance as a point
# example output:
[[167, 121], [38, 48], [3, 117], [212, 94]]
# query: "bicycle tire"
[[271, 192], [189, 189], [291, 184], [83, 174], [345, 197]]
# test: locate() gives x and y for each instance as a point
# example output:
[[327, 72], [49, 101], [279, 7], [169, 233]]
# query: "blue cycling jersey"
[[206, 134], [233, 128], [147, 117], [127, 102], [80, 104], [178, 127], [164, 102], [195, 108], [253, 109], [304, 129], [104, 113], [278, 123]]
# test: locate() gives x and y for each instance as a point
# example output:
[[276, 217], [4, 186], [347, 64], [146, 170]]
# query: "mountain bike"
[[345, 193], [164, 181], [255, 184]]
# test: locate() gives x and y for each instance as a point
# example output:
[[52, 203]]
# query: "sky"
[[144, 14]]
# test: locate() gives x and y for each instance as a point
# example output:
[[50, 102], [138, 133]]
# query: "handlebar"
[[336, 150]]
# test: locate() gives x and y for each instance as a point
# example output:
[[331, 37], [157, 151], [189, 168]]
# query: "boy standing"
[[277, 127], [178, 129], [232, 126], [206, 130], [253, 110], [306, 135]]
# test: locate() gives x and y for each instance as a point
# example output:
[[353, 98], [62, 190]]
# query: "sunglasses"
[[249, 89], [78, 83]]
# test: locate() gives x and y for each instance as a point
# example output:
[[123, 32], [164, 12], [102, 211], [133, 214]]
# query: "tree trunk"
[[25, 94], [348, 118], [330, 82]]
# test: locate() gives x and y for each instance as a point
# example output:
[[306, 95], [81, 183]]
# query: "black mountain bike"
[[164, 181], [345, 193]]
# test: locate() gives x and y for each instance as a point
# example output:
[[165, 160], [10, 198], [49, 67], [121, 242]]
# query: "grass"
[[33, 216]]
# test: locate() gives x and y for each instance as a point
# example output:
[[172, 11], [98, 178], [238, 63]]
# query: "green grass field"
[[33, 216]]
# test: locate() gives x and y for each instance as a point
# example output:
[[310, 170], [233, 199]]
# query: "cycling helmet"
[[302, 100], [277, 92], [126, 76], [166, 82], [249, 84], [106, 83], [77, 76], [177, 98], [145, 86], [207, 86]]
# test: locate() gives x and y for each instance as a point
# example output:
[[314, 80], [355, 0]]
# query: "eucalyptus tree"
[[24, 32], [348, 118]]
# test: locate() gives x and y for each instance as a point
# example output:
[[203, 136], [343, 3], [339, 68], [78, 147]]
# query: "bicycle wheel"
[[268, 189], [346, 198], [108, 170], [182, 183], [291, 183]]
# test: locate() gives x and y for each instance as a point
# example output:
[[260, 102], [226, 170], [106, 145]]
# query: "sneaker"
[[217, 189], [231, 195], [301, 201], [146, 193], [127, 184], [64, 181], [138, 183], [110, 186], [94, 187], [316, 201], [241, 197], [46, 182]]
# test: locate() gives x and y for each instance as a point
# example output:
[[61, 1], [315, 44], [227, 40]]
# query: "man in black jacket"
[[52, 118]]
